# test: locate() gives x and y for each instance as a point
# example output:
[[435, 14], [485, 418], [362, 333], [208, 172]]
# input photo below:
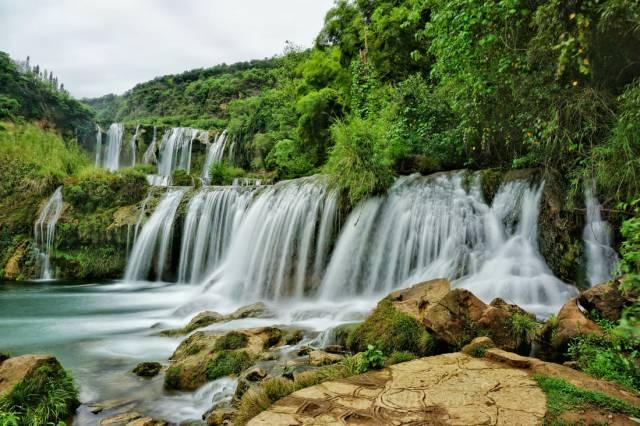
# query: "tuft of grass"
[[232, 340], [390, 330], [563, 396], [523, 327], [479, 351], [227, 363], [398, 357], [47, 397]]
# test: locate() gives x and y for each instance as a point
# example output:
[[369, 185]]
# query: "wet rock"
[[304, 351], [147, 369], [220, 416], [416, 299], [99, 407], [572, 322], [255, 310], [320, 358], [606, 299], [334, 349], [147, 421], [292, 370], [123, 419], [478, 346], [203, 319], [293, 337], [255, 374]]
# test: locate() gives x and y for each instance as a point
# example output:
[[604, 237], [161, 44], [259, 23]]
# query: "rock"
[[508, 358], [478, 345], [571, 364], [606, 299], [439, 390], [203, 319], [292, 370], [572, 323], [220, 416], [256, 310], [121, 419], [146, 421], [12, 268], [303, 351], [99, 407], [416, 299], [147, 369], [255, 374], [4, 356], [294, 337], [20, 368], [320, 358], [334, 349]]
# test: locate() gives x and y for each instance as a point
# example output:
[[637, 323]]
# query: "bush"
[[232, 340], [390, 330], [370, 359], [524, 328], [47, 397], [359, 164], [288, 160], [227, 363], [221, 174], [181, 177]]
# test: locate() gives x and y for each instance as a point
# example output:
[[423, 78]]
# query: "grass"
[[523, 327], [227, 363], [563, 396], [47, 397], [398, 357], [390, 331], [232, 340]]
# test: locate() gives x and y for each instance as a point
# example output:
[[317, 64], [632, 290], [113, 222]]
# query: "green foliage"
[[389, 331], [399, 357], [228, 363], [359, 164], [172, 377], [523, 327], [232, 340], [371, 359], [46, 398], [181, 177], [221, 174], [609, 357], [563, 396], [288, 161]]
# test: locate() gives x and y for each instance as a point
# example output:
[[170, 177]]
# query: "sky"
[[96, 47]]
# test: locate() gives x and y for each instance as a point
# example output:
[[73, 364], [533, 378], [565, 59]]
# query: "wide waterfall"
[[174, 153], [152, 246], [215, 153], [212, 216], [598, 241], [110, 159], [45, 228]]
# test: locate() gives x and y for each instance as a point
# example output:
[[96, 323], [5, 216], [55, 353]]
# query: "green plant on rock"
[[172, 377], [47, 397], [371, 359], [222, 174], [227, 363], [232, 340], [524, 328], [399, 357]]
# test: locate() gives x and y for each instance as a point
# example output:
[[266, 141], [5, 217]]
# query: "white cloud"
[[97, 47]]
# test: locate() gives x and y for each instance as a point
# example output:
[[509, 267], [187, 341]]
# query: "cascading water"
[[212, 216], [598, 241], [133, 145], [149, 156], [152, 246], [111, 158], [45, 228], [280, 245], [98, 145], [215, 154], [175, 153]]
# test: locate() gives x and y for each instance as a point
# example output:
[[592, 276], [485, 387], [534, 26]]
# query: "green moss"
[[181, 177], [390, 330], [172, 377], [227, 363], [490, 180], [398, 357], [90, 263], [232, 340], [563, 396], [47, 397], [193, 350]]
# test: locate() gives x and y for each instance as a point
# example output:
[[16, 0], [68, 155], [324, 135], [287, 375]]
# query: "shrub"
[[232, 340], [181, 177], [288, 160], [370, 359], [47, 397], [390, 330], [524, 328], [227, 363], [221, 174]]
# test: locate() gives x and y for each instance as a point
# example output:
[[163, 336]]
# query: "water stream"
[[44, 230]]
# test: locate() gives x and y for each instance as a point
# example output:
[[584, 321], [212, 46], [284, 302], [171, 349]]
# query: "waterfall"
[[133, 146], [433, 227], [153, 244], [246, 182], [45, 228], [598, 240], [149, 156], [280, 243], [212, 216], [111, 159], [98, 145], [215, 154], [175, 153]]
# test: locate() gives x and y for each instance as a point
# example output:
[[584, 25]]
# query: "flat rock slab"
[[451, 389]]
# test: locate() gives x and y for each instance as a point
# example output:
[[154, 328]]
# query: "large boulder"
[[606, 299], [571, 323]]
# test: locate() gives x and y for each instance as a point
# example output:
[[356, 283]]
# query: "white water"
[[110, 160], [152, 246], [215, 153], [98, 145], [133, 146], [149, 156], [212, 216], [174, 153], [45, 228], [598, 240]]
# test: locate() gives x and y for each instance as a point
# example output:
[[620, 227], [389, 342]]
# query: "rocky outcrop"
[[478, 346], [132, 418], [445, 389], [607, 300], [572, 322], [14, 371], [320, 358], [456, 316], [147, 369]]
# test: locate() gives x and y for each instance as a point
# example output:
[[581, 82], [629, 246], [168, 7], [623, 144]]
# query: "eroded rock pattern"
[[452, 389]]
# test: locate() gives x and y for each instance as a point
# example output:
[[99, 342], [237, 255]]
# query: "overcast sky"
[[97, 47]]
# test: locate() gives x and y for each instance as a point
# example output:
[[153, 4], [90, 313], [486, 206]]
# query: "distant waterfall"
[[152, 245], [598, 241], [149, 156], [212, 216], [215, 154], [175, 153], [45, 228], [111, 158], [133, 145], [433, 227], [98, 145], [280, 245]]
